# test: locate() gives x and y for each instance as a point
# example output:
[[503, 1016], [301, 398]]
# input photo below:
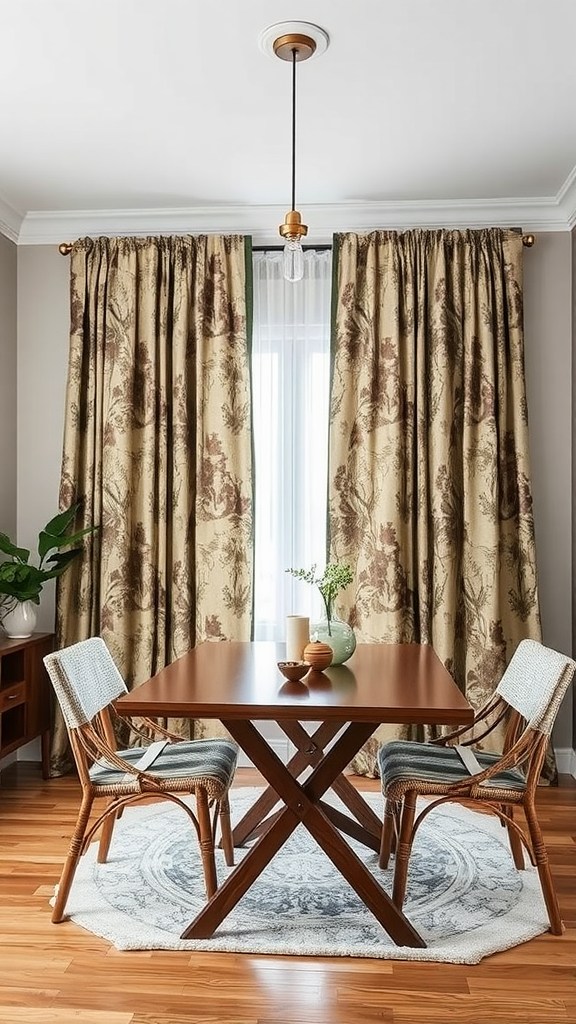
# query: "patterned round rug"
[[464, 895]]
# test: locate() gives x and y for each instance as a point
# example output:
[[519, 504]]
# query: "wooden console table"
[[25, 694]]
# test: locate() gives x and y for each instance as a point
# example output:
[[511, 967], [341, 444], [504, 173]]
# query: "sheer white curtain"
[[291, 384]]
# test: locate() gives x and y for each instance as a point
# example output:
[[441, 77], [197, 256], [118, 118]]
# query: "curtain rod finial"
[[528, 240], [65, 248]]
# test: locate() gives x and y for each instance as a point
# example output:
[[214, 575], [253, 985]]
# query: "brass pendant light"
[[293, 41], [293, 47]]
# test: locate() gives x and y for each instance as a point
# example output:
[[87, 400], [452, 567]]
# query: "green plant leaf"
[[8, 548], [54, 533], [12, 572], [47, 542], [24, 582], [57, 563], [23, 593], [60, 523]]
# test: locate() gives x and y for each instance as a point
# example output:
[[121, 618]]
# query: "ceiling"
[[140, 116]]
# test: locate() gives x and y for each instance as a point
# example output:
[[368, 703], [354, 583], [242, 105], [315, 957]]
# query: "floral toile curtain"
[[158, 444], [429, 478]]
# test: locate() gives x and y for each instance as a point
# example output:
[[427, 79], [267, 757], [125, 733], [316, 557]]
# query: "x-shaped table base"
[[309, 753], [303, 804]]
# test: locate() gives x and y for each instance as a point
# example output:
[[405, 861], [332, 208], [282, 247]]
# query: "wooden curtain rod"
[[65, 248]]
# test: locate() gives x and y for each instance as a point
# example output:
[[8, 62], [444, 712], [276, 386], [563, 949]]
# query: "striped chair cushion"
[[212, 758], [403, 760]]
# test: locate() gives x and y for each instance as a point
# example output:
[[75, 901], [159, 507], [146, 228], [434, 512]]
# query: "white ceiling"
[[136, 116]]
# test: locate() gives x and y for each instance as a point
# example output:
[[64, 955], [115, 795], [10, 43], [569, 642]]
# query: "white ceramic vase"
[[21, 621]]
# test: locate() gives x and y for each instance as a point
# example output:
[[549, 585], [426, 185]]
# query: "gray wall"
[[574, 470], [43, 322], [42, 353], [8, 419], [547, 326]]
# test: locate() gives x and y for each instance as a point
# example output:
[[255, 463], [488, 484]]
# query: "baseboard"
[[566, 761], [5, 762]]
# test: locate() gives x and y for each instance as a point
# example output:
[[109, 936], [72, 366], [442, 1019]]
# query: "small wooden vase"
[[318, 655]]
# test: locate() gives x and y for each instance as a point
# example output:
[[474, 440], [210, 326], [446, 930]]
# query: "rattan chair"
[[86, 682], [527, 698]]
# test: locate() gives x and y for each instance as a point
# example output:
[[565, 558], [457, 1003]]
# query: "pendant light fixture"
[[295, 48], [294, 42]]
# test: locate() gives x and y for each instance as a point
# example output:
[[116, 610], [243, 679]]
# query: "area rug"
[[464, 895]]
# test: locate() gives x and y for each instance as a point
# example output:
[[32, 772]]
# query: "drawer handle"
[[12, 696]]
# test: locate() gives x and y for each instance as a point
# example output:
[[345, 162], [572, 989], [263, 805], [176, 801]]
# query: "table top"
[[397, 683]]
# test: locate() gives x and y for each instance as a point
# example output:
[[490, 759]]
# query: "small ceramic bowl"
[[293, 670]]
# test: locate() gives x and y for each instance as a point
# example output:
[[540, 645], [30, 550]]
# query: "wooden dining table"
[[240, 684]]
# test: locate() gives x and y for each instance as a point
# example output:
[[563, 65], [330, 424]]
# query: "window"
[[291, 383]]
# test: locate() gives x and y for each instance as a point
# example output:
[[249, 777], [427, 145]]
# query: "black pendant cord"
[[294, 52]]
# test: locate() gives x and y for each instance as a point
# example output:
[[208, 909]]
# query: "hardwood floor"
[[62, 974]]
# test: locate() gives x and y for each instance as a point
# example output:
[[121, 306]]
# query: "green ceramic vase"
[[338, 635]]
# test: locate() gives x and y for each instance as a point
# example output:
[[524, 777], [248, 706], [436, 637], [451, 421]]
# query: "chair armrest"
[[147, 728], [469, 734]]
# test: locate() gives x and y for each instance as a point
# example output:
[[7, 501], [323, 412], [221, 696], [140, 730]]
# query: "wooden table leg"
[[310, 751], [361, 879], [356, 803], [303, 804], [226, 897], [350, 827]]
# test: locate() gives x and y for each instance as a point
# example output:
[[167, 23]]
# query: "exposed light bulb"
[[293, 259]]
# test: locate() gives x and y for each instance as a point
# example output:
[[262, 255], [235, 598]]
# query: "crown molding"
[[10, 221], [567, 199], [261, 222]]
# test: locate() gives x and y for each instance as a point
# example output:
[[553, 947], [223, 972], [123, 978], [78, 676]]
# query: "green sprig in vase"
[[331, 630]]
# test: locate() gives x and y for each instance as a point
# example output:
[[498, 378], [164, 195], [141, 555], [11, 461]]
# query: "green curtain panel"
[[429, 481], [158, 444]]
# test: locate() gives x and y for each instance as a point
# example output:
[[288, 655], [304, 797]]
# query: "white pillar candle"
[[297, 636]]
